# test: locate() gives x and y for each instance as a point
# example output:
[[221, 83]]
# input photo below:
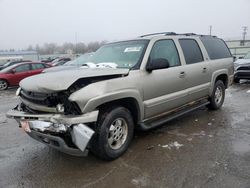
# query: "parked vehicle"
[[48, 59], [140, 83], [4, 59], [74, 64], [60, 61], [242, 68], [12, 63], [12, 75]]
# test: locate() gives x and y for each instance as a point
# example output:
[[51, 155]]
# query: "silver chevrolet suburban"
[[134, 84]]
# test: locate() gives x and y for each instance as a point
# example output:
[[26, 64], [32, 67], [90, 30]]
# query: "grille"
[[51, 100], [40, 98], [244, 68]]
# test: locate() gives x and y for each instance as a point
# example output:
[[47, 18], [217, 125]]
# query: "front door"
[[164, 88], [20, 72]]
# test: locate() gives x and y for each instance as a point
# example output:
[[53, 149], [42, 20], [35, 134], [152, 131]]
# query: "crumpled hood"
[[60, 68], [62, 80]]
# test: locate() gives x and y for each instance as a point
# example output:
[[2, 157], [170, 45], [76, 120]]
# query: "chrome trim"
[[55, 118], [37, 106]]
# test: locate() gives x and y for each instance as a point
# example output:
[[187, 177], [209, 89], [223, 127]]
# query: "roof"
[[151, 35]]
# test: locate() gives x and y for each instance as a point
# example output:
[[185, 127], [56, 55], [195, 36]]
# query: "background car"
[[12, 63], [74, 64], [242, 68], [12, 75], [60, 61]]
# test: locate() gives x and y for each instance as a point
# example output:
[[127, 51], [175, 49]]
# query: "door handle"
[[182, 74], [204, 69]]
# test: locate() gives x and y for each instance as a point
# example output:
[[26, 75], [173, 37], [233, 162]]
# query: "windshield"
[[247, 56], [123, 54], [80, 60]]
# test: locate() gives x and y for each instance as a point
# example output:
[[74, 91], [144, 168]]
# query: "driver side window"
[[22, 68], [166, 49]]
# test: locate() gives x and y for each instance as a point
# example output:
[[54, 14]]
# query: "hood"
[[242, 61], [60, 68], [62, 80]]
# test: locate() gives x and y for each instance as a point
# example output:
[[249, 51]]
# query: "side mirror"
[[155, 64], [234, 58], [13, 71]]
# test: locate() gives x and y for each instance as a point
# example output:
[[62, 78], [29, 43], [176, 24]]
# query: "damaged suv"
[[133, 84]]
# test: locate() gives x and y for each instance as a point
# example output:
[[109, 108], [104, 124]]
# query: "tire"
[[236, 80], [114, 133], [3, 85], [218, 96]]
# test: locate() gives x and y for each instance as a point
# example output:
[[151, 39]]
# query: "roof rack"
[[173, 33], [161, 33]]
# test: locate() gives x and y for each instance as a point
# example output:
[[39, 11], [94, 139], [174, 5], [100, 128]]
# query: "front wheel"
[[218, 96], [3, 85], [114, 133]]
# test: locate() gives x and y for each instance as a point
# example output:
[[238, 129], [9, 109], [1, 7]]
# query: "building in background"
[[23, 55]]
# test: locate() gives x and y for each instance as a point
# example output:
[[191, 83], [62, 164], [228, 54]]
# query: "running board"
[[152, 124]]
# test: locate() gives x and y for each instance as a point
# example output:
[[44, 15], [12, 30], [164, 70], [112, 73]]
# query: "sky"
[[31, 22]]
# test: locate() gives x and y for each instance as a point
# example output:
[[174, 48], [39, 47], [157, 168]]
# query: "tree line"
[[67, 47]]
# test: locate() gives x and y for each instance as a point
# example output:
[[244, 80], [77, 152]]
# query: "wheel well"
[[223, 78], [5, 80], [129, 103]]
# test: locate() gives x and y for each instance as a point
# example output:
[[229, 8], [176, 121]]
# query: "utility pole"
[[210, 30], [244, 33]]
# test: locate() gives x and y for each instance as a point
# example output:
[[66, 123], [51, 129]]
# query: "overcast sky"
[[25, 22]]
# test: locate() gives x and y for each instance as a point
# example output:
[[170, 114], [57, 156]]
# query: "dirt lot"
[[201, 149]]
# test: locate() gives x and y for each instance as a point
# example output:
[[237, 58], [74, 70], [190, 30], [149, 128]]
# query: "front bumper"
[[53, 129], [242, 74]]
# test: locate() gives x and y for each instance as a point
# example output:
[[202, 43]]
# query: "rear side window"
[[37, 66], [191, 50], [216, 48]]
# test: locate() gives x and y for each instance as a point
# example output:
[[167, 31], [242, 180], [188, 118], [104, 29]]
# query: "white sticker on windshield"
[[133, 49]]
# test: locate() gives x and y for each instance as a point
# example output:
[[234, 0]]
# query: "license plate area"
[[25, 126]]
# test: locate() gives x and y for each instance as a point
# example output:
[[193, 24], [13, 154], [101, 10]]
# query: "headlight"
[[18, 91], [235, 66], [60, 108]]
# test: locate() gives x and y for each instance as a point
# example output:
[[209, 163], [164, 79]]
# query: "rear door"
[[196, 70], [36, 68], [164, 88]]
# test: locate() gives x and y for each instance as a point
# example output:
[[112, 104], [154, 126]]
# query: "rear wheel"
[[3, 85], [218, 96], [114, 133]]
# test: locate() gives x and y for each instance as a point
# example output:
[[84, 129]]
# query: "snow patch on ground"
[[174, 144]]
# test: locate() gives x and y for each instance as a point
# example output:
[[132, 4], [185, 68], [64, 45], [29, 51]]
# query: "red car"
[[12, 75]]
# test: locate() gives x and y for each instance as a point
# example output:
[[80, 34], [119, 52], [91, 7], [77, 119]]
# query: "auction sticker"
[[133, 49]]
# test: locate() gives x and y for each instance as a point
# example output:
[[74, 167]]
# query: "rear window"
[[191, 50], [216, 48]]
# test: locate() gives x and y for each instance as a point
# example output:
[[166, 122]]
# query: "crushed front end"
[[55, 121]]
